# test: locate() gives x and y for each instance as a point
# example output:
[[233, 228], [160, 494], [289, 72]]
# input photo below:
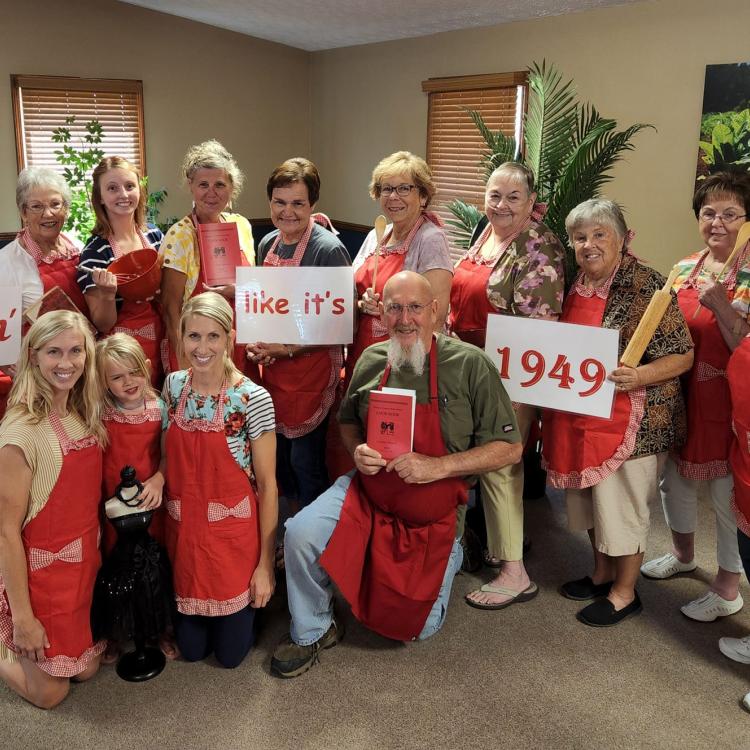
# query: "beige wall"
[[198, 82], [637, 63], [348, 108]]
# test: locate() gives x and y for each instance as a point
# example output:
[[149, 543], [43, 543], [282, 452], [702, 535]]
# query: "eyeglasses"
[[393, 308], [708, 214], [39, 208], [401, 190]]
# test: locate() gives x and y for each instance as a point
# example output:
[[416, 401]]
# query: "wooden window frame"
[[68, 83], [471, 83]]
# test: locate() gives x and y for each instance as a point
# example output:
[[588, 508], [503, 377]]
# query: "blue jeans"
[[309, 588], [301, 464]]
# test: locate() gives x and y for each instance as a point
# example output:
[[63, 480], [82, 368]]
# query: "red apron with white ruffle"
[[390, 548], [62, 549], [134, 440], [738, 369], [212, 531], [705, 454], [581, 451]]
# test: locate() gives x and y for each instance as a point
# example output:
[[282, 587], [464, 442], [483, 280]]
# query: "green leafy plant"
[[725, 140], [569, 146], [78, 163]]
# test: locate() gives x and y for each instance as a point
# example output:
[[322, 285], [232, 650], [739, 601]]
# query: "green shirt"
[[474, 407]]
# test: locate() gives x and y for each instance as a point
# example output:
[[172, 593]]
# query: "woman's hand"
[[369, 302], [9, 370], [625, 378], [225, 291], [30, 638], [260, 353], [105, 281], [151, 494], [262, 585], [713, 296]]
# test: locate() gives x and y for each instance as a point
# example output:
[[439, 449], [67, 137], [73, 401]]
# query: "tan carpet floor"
[[530, 676]]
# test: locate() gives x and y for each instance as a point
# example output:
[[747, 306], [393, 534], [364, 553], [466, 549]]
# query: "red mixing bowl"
[[138, 274]]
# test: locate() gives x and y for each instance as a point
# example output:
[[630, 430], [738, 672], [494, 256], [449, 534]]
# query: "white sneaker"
[[746, 702], [710, 606], [737, 649], [666, 566]]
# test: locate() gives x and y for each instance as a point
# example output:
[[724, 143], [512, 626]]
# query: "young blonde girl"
[[135, 418]]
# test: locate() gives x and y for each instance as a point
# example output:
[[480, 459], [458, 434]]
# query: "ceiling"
[[314, 25]]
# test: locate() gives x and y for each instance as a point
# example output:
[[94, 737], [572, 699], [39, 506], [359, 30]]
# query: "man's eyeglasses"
[[393, 308], [401, 190]]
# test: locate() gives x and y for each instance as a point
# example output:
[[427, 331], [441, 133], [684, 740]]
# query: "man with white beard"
[[388, 533]]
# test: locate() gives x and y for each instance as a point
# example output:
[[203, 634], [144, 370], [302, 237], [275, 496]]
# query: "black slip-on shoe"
[[602, 613], [584, 588]]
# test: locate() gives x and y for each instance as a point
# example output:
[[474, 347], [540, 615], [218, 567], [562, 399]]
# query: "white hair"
[[33, 178]]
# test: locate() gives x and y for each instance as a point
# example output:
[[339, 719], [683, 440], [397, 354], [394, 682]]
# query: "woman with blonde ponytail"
[[51, 443]]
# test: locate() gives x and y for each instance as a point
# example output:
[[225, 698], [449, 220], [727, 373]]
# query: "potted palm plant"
[[570, 147]]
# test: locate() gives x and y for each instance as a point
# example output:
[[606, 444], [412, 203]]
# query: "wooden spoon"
[[380, 224]]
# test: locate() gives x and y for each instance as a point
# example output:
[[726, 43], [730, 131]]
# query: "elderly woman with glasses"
[[414, 240], [609, 468], [515, 267], [41, 257], [716, 307]]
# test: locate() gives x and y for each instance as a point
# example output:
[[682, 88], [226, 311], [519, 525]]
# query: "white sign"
[[556, 365], [297, 305], [10, 324]]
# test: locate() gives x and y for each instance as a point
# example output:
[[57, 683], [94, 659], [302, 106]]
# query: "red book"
[[54, 299], [220, 252], [390, 421]]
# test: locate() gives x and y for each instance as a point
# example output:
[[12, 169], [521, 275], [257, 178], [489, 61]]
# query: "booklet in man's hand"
[[390, 421]]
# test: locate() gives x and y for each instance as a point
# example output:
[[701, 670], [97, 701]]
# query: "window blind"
[[454, 145], [42, 103]]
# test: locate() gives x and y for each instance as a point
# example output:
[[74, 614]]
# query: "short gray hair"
[[212, 155], [519, 173], [597, 211], [33, 178]]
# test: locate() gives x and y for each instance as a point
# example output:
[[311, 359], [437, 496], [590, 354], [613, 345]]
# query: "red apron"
[[469, 303], [581, 451], [705, 454], [390, 548], [239, 356], [62, 273], [134, 440], [211, 528], [61, 544], [739, 455], [302, 388]]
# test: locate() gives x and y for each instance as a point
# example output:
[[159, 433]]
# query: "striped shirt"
[[98, 255], [248, 413], [41, 449]]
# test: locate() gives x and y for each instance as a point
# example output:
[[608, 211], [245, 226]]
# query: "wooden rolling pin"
[[649, 323]]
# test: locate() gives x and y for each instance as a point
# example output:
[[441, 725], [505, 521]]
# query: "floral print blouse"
[[248, 413], [528, 278]]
